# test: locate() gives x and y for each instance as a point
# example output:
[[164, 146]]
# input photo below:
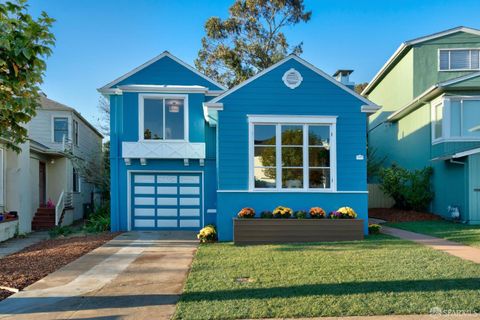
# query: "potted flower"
[[343, 213], [246, 213], [317, 213], [282, 212]]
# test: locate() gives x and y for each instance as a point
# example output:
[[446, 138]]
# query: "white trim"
[[450, 59], [141, 98], [287, 119], [294, 72], [129, 200], [278, 121], [304, 63], [211, 210], [163, 88], [69, 126], [291, 191], [406, 45], [466, 153], [427, 94], [105, 88]]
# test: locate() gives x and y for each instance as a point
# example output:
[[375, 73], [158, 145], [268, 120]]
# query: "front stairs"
[[44, 219]]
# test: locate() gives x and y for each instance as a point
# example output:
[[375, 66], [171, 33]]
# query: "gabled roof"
[[49, 104], [407, 45], [215, 102], [428, 94], [108, 86]]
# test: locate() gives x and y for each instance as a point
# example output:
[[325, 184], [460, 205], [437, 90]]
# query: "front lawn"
[[380, 275], [467, 234]]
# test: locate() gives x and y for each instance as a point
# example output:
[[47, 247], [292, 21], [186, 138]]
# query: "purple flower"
[[335, 215]]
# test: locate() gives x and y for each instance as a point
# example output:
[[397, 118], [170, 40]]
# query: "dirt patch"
[[33, 263], [397, 215]]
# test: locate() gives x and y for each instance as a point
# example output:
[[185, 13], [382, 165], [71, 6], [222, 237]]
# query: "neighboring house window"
[[75, 132], [76, 181], [60, 129], [163, 117], [292, 156], [438, 121], [459, 59], [456, 118]]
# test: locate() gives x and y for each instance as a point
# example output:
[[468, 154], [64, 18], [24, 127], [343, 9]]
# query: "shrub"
[[208, 234], [409, 189], [300, 214], [99, 221], [282, 212], [343, 213], [60, 231], [266, 214], [374, 228], [317, 213], [246, 213]]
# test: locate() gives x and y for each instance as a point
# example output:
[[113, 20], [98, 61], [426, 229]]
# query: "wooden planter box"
[[257, 231]]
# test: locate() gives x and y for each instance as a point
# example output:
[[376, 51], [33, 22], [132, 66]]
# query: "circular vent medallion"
[[292, 78]]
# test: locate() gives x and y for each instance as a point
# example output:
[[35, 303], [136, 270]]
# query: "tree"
[[104, 121], [360, 87], [249, 40], [24, 44]]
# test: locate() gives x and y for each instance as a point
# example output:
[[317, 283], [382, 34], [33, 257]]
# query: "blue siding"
[[268, 95], [315, 96], [166, 71]]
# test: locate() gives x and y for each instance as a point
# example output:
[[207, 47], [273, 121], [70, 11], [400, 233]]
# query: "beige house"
[[42, 175]]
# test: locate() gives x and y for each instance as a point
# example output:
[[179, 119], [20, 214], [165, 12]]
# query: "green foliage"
[[266, 215], [300, 214], [249, 40], [24, 44], [374, 228], [60, 231], [409, 189], [374, 163], [99, 221]]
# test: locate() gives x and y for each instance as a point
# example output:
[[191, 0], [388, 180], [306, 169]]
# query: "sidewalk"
[[450, 247], [17, 244]]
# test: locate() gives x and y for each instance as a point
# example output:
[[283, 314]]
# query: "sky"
[[99, 40]]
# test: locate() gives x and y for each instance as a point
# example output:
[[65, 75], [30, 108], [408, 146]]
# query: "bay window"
[[456, 118], [163, 117], [289, 153]]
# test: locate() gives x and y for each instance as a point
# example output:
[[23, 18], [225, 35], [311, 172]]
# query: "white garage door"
[[166, 201]]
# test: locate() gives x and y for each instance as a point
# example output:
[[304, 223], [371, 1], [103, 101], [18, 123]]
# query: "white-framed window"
[[60, 129], [458, 59], [75, 132], [292, 153], [456, 118], [76, 181], [163, 117]]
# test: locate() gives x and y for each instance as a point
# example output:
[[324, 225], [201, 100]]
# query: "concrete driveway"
[[138, 275]]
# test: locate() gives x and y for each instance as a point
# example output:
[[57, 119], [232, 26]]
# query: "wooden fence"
[[378, 199]]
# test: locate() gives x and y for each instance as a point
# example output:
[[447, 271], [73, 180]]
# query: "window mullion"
[[306, 163], [163, 120], [278, 148]]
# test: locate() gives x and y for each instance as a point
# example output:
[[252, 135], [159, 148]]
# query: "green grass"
[[467, 234], [380, 275]]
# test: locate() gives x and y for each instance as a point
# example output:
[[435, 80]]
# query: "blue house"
[[186, 152]]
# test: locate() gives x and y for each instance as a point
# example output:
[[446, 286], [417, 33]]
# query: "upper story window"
[[457, 119], [163, 117], [75, 132], [458, 59], [60, 129], [292, 155]]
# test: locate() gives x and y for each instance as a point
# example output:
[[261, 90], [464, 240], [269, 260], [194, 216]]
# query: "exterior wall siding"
[[268, 95]]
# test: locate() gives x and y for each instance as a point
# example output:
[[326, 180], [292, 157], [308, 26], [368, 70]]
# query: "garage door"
[[166, 201]]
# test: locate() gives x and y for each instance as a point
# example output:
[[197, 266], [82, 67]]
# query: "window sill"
[[444, 140]]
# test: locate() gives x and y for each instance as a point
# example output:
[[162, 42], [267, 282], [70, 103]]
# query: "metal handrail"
[[59, 208]]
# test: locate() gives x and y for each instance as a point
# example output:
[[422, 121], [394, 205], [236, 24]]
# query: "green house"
[[429, 91]]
